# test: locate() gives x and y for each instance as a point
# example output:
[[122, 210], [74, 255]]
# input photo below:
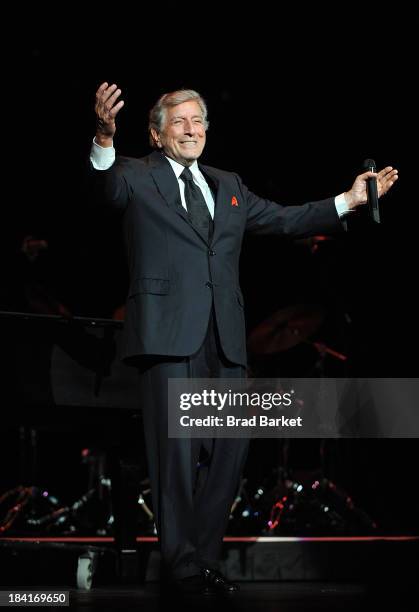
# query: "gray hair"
[[157, 114]]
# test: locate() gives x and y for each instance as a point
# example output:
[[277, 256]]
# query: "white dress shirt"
[[198, 179]]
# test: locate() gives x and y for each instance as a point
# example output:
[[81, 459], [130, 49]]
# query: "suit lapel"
[[166, 183]]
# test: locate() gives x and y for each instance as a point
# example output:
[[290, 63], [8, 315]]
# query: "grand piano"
[[61, 376]]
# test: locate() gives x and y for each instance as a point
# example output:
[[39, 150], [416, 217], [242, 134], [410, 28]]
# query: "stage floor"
[[252, 597]]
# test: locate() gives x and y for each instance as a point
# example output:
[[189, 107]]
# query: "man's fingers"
[[106, 97], [386, 179], [101, 91], [116, 109], [108, 93], [104, 93], [102, 88], [366, 175], [112, 99], [388, 175], [385, 171]]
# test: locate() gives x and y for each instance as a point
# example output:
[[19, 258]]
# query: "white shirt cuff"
[[341, 205], [102, 158]]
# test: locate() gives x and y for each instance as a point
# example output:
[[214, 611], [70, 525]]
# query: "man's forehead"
[[180, 110]]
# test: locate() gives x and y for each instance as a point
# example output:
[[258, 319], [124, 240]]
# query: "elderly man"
[[183, 224]]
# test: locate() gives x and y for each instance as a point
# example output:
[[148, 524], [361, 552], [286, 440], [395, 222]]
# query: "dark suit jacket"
[[175, 275]]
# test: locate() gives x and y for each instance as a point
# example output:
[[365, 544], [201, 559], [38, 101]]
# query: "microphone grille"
[[369, 164]]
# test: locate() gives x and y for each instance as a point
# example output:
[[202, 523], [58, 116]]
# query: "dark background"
[[294, 109]]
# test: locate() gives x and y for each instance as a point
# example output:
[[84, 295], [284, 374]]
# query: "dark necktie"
[[198, 212]]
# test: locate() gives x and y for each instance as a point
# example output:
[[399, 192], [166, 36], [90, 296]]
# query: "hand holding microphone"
[[368, 188]]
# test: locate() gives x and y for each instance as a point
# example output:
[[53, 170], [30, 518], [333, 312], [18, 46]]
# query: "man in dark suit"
[[183, 225]]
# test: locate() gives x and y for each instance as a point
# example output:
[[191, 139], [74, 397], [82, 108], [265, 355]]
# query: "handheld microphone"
[[372, 193]]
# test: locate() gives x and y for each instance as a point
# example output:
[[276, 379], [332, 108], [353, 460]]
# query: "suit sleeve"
[[267, 217], [113, 187]]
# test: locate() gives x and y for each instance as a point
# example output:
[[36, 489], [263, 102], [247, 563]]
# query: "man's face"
[[182, 137]]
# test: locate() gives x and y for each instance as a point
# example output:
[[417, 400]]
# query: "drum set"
[[290, 497]]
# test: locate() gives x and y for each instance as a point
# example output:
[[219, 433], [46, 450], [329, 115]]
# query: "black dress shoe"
[[219, 583], [191, 585]]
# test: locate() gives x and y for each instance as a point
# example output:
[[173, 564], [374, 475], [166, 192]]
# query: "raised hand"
[[357, 195], [106, 108]]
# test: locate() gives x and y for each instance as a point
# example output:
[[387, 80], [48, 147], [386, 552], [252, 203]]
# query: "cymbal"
[[285, 328]]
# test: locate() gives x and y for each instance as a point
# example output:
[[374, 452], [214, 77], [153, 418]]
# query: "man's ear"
[[156, 138]]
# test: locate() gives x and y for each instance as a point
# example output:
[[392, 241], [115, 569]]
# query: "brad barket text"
[[238, 422]]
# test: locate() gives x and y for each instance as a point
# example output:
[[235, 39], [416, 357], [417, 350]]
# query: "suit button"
[[211, 252], [208, 284]]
